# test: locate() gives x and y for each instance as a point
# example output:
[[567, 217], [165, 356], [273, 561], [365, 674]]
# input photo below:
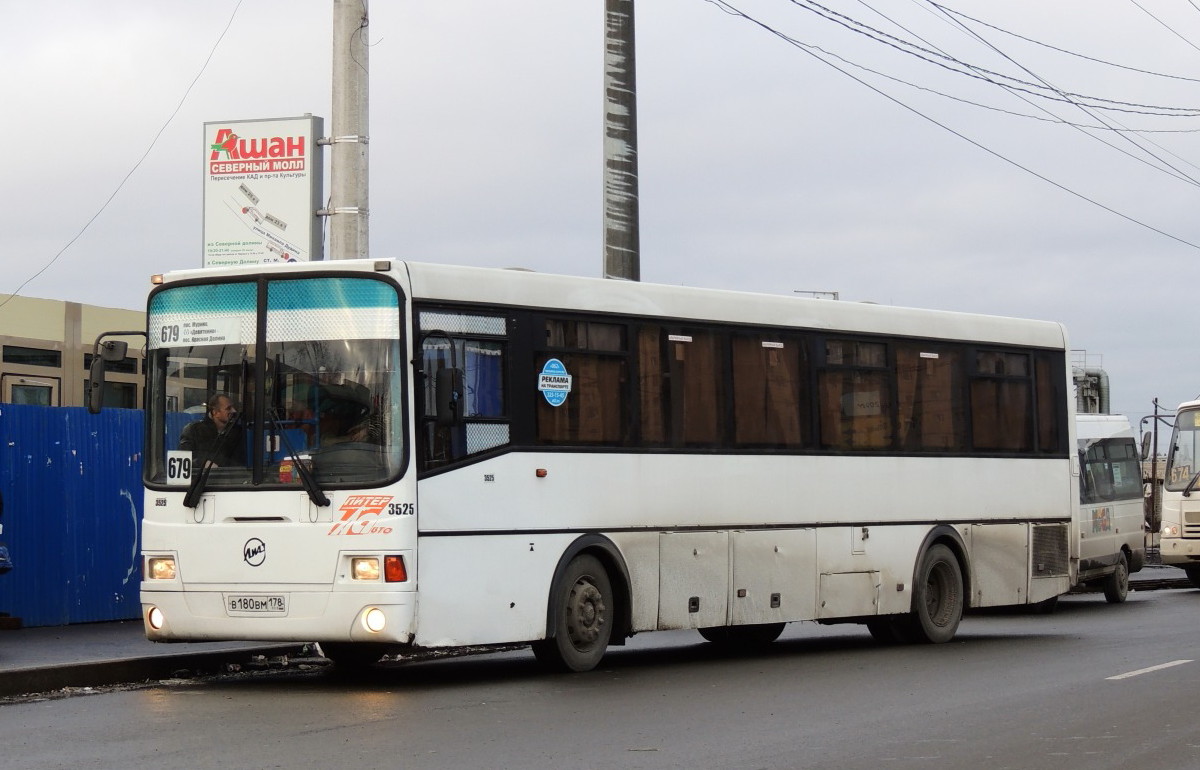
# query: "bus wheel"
[[1193, 574], [1116, 585], [937, 597], [583, 619], [743, 637]]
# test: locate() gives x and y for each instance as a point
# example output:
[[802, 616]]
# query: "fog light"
[[365, 568], [374, 620], [160, 568], [155, 618]]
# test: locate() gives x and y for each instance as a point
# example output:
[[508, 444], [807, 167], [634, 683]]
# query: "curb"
[[26, 681]]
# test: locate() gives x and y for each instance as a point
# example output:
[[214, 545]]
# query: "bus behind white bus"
[[1111, 516], [431, 456], [1179, 531]]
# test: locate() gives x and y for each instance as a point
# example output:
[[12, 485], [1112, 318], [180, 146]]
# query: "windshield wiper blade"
[[1187, 491], [200, 479], [315, 493]]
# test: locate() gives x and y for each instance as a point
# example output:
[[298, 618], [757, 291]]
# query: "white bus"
[[432, 456], [1112, 538], [1179, 532]]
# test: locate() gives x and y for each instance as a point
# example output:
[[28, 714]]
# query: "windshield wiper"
[[315, 493], [1187, 491], [200, 479]]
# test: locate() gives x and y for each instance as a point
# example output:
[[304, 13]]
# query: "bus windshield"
[[1181, 458], [260, 383]]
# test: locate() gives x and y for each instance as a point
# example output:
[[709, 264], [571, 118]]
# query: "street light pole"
[[622, 259], [348, 210]]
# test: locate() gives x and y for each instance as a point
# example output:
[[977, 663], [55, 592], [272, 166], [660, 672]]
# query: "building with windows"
[[47, 351]]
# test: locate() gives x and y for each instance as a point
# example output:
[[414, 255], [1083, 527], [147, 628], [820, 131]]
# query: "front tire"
[[1116, 585], [1193, 574], [938, 597], [583, 618]]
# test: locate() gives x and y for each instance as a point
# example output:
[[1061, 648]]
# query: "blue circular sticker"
[[554, 382]]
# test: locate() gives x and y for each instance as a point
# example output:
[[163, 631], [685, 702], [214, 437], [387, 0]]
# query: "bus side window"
[[453, 343]]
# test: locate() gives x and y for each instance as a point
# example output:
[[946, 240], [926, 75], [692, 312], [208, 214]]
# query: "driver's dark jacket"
[[209, 444]]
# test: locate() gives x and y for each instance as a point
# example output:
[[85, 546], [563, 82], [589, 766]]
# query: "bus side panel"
[[846, 554], [641, 553], [773, 576], [693, 580], [485, 589], [995, 548], [1104, 530]]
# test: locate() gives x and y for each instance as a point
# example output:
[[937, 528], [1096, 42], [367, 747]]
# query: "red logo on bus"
[[360, 516]]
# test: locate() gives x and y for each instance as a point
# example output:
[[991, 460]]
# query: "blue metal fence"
[[72, 513]]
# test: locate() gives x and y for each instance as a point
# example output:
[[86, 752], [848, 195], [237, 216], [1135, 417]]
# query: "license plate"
[[256, 604]]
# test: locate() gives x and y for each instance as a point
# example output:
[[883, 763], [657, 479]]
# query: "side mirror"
[[448, 387], [102, 353], [95, 395], [1146, 439]]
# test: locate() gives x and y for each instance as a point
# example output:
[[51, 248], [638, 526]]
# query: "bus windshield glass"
[[1181, 458], [259, 383]]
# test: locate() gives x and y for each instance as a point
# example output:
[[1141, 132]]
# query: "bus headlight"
[[155, 618], [374, 620], [365, 568], [160, 568], [1170, 530]]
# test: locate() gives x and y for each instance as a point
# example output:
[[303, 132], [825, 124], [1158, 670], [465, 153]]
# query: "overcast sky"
[[837, 162]]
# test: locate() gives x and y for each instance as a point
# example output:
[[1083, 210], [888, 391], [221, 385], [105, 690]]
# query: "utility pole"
[[348, 210], [622, 259]]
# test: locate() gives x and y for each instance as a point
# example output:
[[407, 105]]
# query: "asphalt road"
[[1091, 686]]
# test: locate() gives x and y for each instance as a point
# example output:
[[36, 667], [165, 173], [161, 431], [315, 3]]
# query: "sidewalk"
[[98, 654]]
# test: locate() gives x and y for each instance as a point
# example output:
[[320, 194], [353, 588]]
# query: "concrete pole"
[[348, 210], [622, 259]]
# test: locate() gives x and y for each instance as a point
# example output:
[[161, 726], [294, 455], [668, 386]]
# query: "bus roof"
[[1098, 426], [522, 288]]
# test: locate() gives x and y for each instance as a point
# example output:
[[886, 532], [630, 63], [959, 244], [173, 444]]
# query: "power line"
[[955, 65], [728, 8], [1105, 62], [1164, 166], [136, 165], [1164, 24]]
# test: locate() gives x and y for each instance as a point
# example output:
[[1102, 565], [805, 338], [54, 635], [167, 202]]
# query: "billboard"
[[262, 189]]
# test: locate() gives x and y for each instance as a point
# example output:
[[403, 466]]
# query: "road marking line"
[[1141, 671]]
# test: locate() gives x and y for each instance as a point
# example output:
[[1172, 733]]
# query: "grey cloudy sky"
[[841, 162]]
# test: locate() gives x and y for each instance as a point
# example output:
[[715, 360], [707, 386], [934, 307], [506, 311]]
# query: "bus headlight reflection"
[[374, 620], [160, 568], [365, 568]]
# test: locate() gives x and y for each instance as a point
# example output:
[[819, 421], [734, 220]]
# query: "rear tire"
[[938, 597], [1116, 585], [583, 618]]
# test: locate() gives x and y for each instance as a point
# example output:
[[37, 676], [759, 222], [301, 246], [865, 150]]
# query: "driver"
[[217, 439]]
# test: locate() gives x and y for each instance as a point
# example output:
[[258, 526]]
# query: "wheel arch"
[[946, 535], [613, 562]]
